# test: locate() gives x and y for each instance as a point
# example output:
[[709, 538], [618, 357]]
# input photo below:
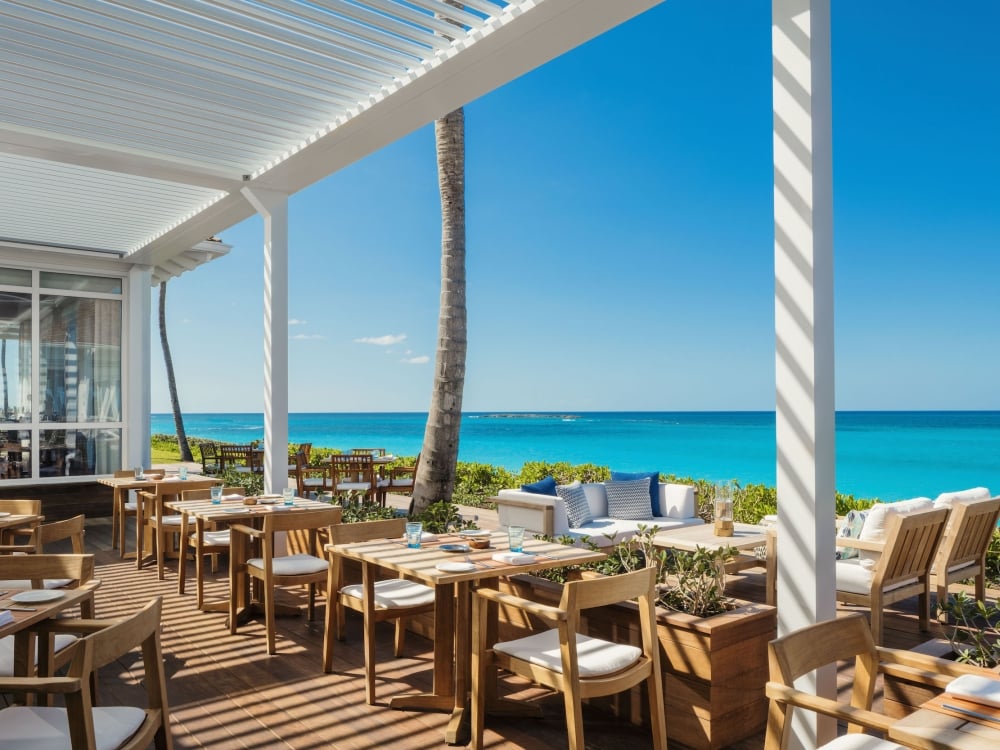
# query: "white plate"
[[38, 595], [4, 514], [267, 500], [455, 547], [474, 533], [455, 567]]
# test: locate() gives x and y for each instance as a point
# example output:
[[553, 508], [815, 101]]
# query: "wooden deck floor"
[[226, 692]]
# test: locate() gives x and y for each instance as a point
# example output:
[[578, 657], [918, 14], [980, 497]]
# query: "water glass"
[[182, 472], [515, 537], [414, 530], [216, 494], [289, 495], [138, 472]]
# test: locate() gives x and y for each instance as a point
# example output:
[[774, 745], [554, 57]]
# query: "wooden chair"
[[122, 727], [40, 537], [847, 638], [563, 660], [165, 528], [354, 475], [962, 553], [235, 458], [403, 478], [19, 507], [209, 458], [272, 570], [377, 601], [45, 571], [310, 479], [373, 452], [212, 542], [901, 570], [121, 507]]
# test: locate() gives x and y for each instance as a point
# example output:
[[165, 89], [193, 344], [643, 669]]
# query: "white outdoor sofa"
[[545, 514]]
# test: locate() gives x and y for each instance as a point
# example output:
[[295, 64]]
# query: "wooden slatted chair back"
[[911, 542]]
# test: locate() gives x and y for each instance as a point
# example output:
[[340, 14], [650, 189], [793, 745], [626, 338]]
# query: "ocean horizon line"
[[559, 412]]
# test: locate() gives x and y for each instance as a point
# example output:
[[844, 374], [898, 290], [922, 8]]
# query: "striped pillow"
[[629, 500], [575, 500]]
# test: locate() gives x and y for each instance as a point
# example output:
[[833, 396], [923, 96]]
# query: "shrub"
[[443, 517], [975, 637]]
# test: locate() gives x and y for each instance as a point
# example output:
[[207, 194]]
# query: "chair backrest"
[[363, 531], [910, 546], [79, 569], [968, 533], [22, 507], [355, 468], [56, 531], [802, 651], [306, 449], [304, 525], [209, 451], [107, 645], [368, 451], [206, 493], [123, 473]]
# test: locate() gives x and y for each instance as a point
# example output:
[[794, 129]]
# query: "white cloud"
[[423, 359], [307, 336], [387, 340], [296, 322]]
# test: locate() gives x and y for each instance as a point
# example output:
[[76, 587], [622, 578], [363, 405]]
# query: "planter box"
[[714, 668], [901, 697]]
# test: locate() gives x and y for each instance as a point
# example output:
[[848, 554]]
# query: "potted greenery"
[[972, 637]]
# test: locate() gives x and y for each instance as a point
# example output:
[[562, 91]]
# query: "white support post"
[[803, 297], [273, 207], [136, 368]]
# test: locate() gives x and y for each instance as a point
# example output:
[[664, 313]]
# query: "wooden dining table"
[[18, 521], [930, 729], [207, 514], [453, 603]]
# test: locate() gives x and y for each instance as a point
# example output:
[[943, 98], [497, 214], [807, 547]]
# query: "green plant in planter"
[[975, 636], [695, 582], [357, 512]]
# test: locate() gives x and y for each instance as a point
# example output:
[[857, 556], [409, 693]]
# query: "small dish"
[[479, 542], [455, 567], [267, 500], [37, 595], [4, 514], [454, 547]]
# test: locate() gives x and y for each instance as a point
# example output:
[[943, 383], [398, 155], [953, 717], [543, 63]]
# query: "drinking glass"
[[216, 494], [138, 472], [289, 495], [515, 536], [414, 530], [182, 472]]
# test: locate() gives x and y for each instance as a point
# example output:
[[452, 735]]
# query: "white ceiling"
[[129, 126]]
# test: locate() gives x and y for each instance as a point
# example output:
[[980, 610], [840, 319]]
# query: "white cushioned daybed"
[[548, 514]]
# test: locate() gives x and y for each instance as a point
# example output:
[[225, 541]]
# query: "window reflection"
[[70, 453], [15, 454], [15, 357]]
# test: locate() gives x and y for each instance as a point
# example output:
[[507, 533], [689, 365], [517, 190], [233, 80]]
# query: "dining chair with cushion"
[[310, 479], [121, 506], [373, 452], [81, 725], [967, 537], [846, 639], [889, 571], [403, 478], [166, 528], [377, 600], [209, 458], [562, 659], [353, 475], [273, 570], [211, 541], [45, 571]]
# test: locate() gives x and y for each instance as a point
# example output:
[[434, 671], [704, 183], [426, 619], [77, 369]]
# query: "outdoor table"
[[452, 606], [19, 520], [121, 487], [206, 513], [170, 486], [928, 729]]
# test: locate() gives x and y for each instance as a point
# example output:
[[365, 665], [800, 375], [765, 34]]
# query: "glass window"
[[15, 357], [80, 359], [15, 454], [77, 283], [72, 453], [15, 277]]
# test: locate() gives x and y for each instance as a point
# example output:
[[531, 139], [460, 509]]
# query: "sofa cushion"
[[854, 521], [597, 498], [676, 501], [874, 529], [629, 500], [606, 531], [654, 485], [577, 507], [947, 499], [545, 486]]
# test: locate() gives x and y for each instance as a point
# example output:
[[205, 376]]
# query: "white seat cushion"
[[395, 593], [216, 538], [401, 482], [62, 640], [49, 583], [292, 565], [43, 728], [354, 486], [130, 505], [596, 657], [861, 742], [169, 520], [855, 576]]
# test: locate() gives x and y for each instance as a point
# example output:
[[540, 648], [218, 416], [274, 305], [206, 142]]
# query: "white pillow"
[[878, 520], [947, 499]]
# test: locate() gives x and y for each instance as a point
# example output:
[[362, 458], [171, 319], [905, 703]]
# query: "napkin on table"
[[514, 558], [976, 689], [234, 496]]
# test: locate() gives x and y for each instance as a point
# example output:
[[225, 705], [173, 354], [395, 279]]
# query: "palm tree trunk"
[[435, 478], [175, 404]]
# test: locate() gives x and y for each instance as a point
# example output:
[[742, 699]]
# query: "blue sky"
[[620, 233]]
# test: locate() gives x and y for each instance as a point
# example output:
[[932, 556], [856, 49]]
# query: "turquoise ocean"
[[886, 455]]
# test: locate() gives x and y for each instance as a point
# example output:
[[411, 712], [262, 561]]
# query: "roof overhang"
[[129, 127]]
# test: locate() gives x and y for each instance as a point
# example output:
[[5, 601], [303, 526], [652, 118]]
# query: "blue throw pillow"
[[654, 485], [545, 486]]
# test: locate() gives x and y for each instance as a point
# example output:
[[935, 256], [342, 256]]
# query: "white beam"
[[136, 368], [803, 297], [273, 207]]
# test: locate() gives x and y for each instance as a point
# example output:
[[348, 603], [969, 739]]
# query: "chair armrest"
[[39, 685], [929, 670], [844, 541], [248, 530], [544, 611], [846, 712], [83, 627]]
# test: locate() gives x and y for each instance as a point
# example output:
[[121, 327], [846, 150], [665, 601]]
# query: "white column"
[[273, 206], [803, 301], [136, 367]]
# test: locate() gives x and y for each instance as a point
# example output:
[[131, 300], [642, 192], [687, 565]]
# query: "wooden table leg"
[[442, 697]]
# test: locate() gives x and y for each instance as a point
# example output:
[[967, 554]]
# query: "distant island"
[[517, 415]]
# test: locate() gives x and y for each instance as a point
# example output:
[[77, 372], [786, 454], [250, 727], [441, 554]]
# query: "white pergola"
[[131, 131]]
